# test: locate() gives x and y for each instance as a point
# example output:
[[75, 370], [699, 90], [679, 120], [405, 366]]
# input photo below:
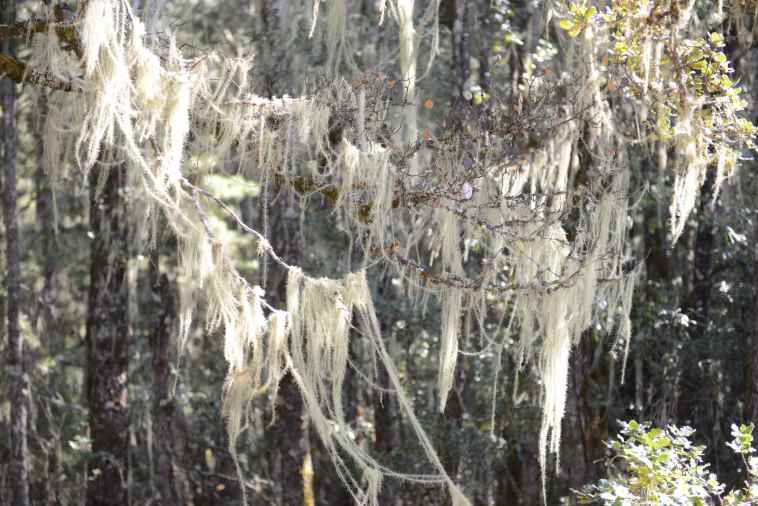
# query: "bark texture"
[[751, 355], [16, 370], [108, 339], [162, 403], [287, 438], [693, 403]]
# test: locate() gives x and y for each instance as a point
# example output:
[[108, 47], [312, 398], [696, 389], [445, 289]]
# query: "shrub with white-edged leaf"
[[662, 466]]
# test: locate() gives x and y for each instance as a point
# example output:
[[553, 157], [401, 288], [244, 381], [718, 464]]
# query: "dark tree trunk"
[[46, 229], [654, 250], [697, 303], [385, 432], [46, 321], [751, 348], [528, 458], [388, 438], [287, 444], [162, 403], [108, 339], [585, 425], [329, 486], [17, 379], [287, 438]]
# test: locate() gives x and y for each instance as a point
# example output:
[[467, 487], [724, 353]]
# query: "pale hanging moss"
[[451, 316], [336, 42], [451, 307], [408, 63], [359, 297], [686, 81], [321, 310], [275, 361], [142, 105]]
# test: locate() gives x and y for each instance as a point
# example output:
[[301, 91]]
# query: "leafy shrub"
[[663, 467]]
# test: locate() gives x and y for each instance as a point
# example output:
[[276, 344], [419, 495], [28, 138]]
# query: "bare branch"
[[18, 71]]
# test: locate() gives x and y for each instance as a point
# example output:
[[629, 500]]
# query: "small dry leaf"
[[605, 60], [391, 83], [429, 103], [426, 135], [612, 86], [548, 72]]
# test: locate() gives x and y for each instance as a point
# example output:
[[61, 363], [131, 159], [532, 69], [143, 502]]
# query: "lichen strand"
[[406, 200]]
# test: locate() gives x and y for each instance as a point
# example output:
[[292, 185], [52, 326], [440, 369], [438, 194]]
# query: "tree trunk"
[[17, 378], [698, 302], [162, 403], [751, 348], [46, 325], [385, 440], [329, 487], [108, 340], [586, 420], [529, 469], [287, 438], [691, 405]]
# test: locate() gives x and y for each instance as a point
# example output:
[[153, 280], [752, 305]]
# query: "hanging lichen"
[[474, 211]]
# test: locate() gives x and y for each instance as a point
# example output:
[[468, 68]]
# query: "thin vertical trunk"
[[586, 424], [287, 439], [107, 339], [751, 348], [529, 470], [162, 403], [329, 487], [17, 379], [697, 307], [287, 444], [698, 302], [455, 411], [657, 275], [385, 431], [47, 328]]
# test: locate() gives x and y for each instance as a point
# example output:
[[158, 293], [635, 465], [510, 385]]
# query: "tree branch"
[[18, 71], [64, 30], [23, 29]]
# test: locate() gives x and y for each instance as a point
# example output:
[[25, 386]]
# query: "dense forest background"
[[90, 350]]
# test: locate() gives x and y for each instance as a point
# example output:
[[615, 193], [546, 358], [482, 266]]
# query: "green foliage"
[[580, 18], [662, 466], [742, 445], [686, 82]]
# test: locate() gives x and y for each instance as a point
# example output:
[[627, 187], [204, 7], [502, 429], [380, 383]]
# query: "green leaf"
[[566, 24], [717, 39]]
